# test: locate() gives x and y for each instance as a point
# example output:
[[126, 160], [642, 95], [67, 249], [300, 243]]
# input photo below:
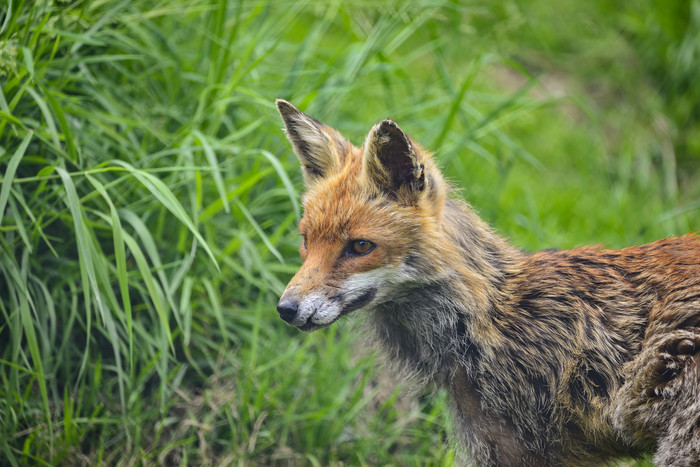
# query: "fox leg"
[[681, 445], [658, 406]]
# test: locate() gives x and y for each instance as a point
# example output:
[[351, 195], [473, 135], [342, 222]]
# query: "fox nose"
[[287, 308]]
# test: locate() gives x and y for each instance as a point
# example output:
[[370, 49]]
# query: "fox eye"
[[304, 242], [361, 247]]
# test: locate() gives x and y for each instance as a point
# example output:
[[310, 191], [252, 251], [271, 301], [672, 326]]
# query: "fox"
[[552, 358]]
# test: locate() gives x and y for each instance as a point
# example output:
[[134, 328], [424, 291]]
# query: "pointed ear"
[[318, 147], [391, 162]]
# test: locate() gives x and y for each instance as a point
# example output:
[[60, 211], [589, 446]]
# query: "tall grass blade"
[[27, 313], [163, 194], [154, 292], [282, 173], [10, 172], [216, 172], [259, 230], [120, 259]]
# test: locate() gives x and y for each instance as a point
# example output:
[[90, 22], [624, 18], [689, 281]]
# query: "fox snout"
[[315, 310], [309, 311]]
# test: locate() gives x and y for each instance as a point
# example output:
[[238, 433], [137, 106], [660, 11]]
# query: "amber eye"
[[361, 247]]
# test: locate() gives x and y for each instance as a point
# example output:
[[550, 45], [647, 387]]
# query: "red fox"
[[569, 357]]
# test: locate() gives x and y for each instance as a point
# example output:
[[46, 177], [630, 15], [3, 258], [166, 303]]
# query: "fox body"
[[556, 358]]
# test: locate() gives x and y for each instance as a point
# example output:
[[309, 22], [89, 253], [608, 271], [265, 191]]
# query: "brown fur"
[[553, 358]]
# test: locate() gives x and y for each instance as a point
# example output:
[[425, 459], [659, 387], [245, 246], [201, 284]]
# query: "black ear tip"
[[285, 108], [391, 129]]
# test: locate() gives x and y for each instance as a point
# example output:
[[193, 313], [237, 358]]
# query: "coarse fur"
[[554, 358]]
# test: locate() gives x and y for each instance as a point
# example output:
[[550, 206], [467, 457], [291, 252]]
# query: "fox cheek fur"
[[553, 358]]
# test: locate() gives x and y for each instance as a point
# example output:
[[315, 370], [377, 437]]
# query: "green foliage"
[[149, 200]]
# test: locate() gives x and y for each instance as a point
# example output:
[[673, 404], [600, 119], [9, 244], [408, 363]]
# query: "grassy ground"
[[149, 200]]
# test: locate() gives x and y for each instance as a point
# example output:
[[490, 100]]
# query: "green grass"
[[149, 200]]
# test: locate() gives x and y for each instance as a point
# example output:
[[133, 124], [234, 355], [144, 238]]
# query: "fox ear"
[[313, 142], [391, 162]]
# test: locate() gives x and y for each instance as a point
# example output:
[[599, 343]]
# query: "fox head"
[[371, 219]]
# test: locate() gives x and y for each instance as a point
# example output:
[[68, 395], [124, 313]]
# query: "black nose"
[[287, 308]]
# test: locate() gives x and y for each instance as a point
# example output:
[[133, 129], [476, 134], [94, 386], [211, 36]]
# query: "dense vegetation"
[[149, 200]]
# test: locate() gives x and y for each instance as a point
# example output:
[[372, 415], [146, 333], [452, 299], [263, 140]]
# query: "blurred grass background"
[[149, 200]]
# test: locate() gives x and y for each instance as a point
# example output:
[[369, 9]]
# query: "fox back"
[[558, 357]]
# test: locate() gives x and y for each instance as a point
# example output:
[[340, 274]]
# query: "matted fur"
[[553, 358]]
